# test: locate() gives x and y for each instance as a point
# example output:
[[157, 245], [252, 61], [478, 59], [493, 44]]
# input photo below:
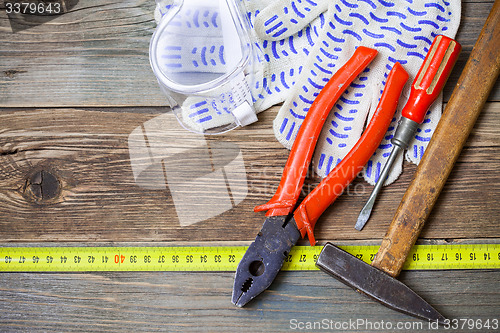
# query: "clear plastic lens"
[[193, 47], [206, 63]]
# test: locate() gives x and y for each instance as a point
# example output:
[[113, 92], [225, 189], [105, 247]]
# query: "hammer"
[[379, 280]]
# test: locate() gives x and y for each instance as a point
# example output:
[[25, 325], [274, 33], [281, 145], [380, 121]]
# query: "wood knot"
[[42, 186], [12, 73]]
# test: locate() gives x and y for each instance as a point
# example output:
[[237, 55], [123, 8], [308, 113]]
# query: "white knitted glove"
[[400, 31]]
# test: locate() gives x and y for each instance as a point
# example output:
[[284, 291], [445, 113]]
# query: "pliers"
[[284, 225]]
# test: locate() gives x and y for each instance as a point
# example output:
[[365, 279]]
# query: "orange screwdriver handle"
[[294, 173], [431, 77], [344, 173]]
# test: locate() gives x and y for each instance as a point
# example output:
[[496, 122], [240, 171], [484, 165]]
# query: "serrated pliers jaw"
[[264, 258]]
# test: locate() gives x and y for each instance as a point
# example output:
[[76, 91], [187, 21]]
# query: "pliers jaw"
[[264, 258]]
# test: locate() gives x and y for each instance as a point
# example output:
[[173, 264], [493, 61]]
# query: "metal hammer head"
[[375, 283]]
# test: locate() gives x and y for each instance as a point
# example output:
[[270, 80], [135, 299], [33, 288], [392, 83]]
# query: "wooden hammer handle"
[[467, 101]]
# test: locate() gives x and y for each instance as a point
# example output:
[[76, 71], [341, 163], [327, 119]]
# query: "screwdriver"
[[426, 87]]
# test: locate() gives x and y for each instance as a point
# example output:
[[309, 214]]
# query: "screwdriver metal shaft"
[[404, 133], [365, 213], [426, 87]]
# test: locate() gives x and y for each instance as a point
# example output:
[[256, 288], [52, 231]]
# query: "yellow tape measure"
[[226, 258]]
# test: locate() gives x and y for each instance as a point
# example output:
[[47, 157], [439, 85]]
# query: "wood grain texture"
[[77, 92], [97, 55], [194, 302], [100, 200]]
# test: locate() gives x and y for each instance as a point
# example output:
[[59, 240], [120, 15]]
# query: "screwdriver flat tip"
[[365, 213], [364, 216]]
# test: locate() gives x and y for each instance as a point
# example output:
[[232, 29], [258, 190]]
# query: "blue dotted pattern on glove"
[[275, 26], [278, 52], [340, 36]]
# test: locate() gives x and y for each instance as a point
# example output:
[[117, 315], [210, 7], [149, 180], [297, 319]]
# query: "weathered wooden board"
[[195, 302], [97, 55], [79, 102], [94, 155]]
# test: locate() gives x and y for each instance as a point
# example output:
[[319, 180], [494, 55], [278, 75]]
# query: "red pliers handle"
[[284, 200]]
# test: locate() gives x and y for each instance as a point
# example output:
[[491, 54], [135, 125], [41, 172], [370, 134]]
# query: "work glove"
[[400, 31], [281, 60], [304, 42]]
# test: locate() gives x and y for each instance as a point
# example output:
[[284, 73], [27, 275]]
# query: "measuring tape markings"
[[463, 256], [226, 258]]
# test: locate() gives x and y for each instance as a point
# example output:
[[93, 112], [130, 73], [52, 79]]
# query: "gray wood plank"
[[100, 200], [93, 62], [194, 302], [97, 55]]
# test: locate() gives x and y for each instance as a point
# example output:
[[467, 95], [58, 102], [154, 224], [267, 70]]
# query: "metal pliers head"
[[264, 258]]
